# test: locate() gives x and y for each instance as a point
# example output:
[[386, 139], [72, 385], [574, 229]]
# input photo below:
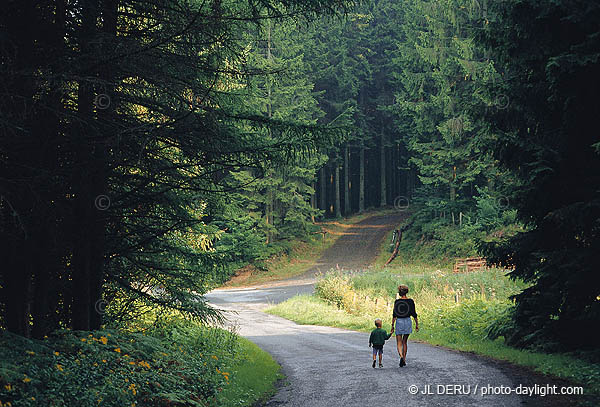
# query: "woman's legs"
[[404, 345], [399, 345]]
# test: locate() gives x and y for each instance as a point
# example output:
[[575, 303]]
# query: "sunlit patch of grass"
[[254, 376], [310, 310], [443, 321]]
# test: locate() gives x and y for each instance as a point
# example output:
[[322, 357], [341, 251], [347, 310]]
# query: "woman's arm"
[[393, 322], [414, 315]]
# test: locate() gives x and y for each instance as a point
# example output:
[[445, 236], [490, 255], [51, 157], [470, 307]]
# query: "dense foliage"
[[175, 363], [148, 148], [121, 122], [491, 105], [547, 137]]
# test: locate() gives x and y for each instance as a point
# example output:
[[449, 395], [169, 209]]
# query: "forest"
[[149, 149]]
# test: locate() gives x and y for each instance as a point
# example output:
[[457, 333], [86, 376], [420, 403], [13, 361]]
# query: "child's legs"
[[374, 353], [380, 355]]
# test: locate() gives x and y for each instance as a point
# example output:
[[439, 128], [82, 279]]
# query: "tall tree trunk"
[[323, 189], [452, 186], [269, 214], [361, 181], [409, 183], [105, 115], [393, 170], [383, 186], [86, 184], [331, 202], [269, 205], [313, 201], [17, 277], [346, 181], [19, 203], [336, 186]]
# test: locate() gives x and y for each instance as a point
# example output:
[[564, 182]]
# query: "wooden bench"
[[469, 264]]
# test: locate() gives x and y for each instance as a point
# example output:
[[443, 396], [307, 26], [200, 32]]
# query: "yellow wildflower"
[[30, 352], [214, 357], [103, 360], [132, 363], [26, 379], [118, 350], [104, 340], [56, 353], [8, 387], [59, 367], [83, 339]]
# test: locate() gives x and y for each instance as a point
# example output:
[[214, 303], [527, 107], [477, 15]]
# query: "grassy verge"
[[254, 376], [175, 363], [455, 311], [302, 256]]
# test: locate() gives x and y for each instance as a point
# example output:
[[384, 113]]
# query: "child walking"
[[377, 339]]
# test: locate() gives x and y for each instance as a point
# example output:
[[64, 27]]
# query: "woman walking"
[[404, 308]]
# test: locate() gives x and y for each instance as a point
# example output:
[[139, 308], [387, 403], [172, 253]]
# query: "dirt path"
[[329, 366]]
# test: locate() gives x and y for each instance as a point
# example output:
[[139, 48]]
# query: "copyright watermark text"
[[489, 390]]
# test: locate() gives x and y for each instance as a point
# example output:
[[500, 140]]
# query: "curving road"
[[328, 366]]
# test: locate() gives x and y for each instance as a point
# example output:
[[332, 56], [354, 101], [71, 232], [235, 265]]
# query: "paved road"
[[329, 366]]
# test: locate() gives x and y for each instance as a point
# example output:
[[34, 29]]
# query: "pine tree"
[[547, 138]]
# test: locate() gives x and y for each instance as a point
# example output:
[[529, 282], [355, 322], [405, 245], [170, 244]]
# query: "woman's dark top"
[[404, 307]]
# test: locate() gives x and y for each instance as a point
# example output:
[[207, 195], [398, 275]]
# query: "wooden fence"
[[469, 264]]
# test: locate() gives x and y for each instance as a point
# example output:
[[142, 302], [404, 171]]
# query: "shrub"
[[336, 289], [176, 364]]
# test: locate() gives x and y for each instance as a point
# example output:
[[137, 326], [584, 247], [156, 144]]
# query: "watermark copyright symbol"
[[102, 202], [401, 203], [100, 307], [502, 101], [102, 101], [413, 389]]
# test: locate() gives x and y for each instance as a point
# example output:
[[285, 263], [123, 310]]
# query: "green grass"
[[253, 377], [177, 362], [310, 310], [462, 326]]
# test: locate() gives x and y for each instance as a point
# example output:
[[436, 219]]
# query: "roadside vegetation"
[[175, 362], [462, 311]]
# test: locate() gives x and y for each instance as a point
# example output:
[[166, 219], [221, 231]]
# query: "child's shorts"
[[377, 349]]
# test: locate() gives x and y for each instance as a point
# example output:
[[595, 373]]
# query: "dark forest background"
[[150, 148]]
